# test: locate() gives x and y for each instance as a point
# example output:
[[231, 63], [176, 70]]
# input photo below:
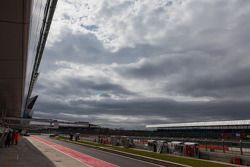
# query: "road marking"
[[151, 163], [133, 158], [86, 159], [124, 156]]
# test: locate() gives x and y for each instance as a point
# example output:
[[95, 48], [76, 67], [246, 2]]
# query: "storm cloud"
[[131, 63]]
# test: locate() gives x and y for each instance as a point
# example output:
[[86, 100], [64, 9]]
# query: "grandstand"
[[235, 129]]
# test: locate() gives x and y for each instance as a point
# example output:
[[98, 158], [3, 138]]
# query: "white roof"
[[201, 124], [190, 143], [176, 142]]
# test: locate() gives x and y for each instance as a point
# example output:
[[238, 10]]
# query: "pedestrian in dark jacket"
[[71, 136], [8, 139]]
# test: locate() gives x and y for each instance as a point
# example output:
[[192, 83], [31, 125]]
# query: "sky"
[[129, 63]]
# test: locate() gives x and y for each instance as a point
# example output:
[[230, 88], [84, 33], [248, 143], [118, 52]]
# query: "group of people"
[[11, 138], [77, 136]]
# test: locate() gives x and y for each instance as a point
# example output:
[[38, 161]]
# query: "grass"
[[164, 157]]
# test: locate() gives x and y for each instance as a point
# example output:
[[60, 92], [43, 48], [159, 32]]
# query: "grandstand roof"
[[202, 124]]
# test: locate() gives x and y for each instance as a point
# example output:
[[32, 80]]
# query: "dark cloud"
[[87, 49], [196, 74], [82, 87], [91, 85], [81, 48], [171, 110]]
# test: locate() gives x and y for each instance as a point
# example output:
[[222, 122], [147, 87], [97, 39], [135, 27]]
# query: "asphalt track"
[[23, 155], [110, 158]]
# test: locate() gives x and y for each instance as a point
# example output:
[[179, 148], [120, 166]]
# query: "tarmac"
[[40, 151], [23, 155], [57, 157]]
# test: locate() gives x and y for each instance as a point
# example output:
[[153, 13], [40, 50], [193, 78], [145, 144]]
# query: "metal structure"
[[47, 19], [234, 124], [24, 27], [38, 123]]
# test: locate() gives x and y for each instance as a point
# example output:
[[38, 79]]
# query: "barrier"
[[236, 161]]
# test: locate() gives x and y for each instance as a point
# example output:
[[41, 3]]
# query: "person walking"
[[17, 137], [4, 137], [71, 136], [8, 139]]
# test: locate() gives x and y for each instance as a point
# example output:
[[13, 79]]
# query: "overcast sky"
[[128, 63]]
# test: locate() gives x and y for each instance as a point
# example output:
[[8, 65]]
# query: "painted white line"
[[165, 161], [132, 158]]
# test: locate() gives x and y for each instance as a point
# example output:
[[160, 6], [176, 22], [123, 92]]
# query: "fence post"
[[206, 143], [223, 145]]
